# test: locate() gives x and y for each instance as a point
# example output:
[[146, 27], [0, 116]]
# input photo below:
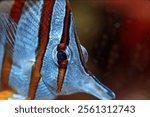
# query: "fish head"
[[64, 70]]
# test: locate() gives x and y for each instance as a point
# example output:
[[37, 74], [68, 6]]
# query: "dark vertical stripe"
[[43, 41], [65, 35], [15, 13], [81, 55], [62, 46]]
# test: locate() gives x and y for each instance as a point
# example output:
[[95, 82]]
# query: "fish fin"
[[26, 44], [10, 95], [4, 95], [7, 34]]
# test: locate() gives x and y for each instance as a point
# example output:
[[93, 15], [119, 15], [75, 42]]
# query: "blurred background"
[[116, 34]]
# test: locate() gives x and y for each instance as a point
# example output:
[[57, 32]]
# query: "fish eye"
[[61, 55]]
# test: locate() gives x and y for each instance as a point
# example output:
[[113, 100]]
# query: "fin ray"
[[8, 32]]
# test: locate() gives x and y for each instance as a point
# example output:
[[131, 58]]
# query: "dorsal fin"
[[7, 33], [26, 41]]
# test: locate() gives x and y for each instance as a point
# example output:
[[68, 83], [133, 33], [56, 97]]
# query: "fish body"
[[40, 53]]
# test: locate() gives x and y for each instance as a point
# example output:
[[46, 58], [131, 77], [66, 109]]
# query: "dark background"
[[116, 34]]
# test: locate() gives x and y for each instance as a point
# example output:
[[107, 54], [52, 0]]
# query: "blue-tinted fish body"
[[39, 73]]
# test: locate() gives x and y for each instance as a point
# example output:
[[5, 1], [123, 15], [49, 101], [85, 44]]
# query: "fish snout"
[[94, 87]]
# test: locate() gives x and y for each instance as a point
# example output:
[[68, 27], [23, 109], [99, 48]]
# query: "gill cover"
[[73, 76]]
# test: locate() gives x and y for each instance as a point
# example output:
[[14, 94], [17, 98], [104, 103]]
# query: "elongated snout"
[[97, 89]]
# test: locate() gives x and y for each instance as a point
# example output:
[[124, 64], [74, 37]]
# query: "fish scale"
[[38, 74]]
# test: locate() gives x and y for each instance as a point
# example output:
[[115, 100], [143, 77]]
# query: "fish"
[[40, 53]]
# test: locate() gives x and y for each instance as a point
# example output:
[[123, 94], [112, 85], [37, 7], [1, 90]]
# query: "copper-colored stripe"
[[62, 46], [17, 9], [61, 74], [6, 67], [7, 61], [43, 41], [65, 35]]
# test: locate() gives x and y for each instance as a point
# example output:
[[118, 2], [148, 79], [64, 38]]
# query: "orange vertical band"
[[43, 41], [62, 46]]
